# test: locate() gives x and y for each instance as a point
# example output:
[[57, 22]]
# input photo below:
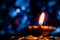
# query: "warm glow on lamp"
[[41, 18], [30, 27]]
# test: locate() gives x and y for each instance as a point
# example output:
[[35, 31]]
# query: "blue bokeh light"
[[21, 3], [51, 3], [13, 13], [18, 2], [24, 19], [23, 8], [9, 27], [58, 15], [56, 31], [18, 10], [2, 32], [43, 8]]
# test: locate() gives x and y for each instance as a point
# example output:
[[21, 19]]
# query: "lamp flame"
[[41, 18]]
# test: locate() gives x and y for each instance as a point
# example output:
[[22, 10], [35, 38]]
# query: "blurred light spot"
[[59, 12], [58, 15], [51, 3], [24, 19], [43, 8], [13, 14], [30, 27], [23, 8], [12, 37], [56, 31], [11, 32], [9, 27], [2, 32], [18, 2], [17, 10]]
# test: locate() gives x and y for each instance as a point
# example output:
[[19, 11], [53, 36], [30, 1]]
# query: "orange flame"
[[41, 18]]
